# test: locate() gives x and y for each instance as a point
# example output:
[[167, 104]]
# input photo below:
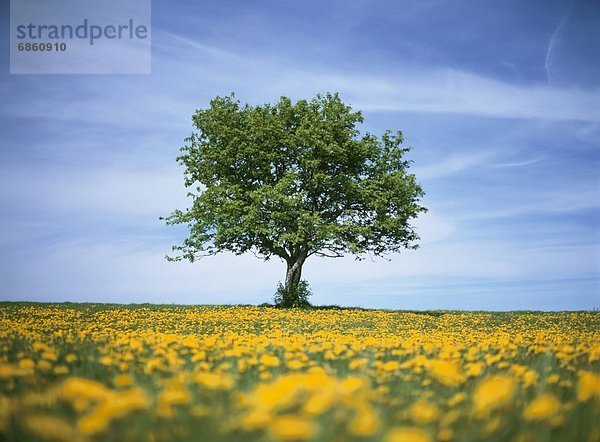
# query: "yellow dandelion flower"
[[358, 363], [492, 393], [352, 384], [123, 380], [446, 373], [26, 364], [390, 366], [106, 360], [294, 364], [49, 428], [319, 403], [49, 356], [94, 422], [457, 399], [74, 388], [214, 381], [474, 369], [530, 378], [256, 419], [265, 376], [174, 394], [269, 361], [292, 428], [365, 423], [164, 411], [445, 435], [44, 365], [61, 369], [449, 418], [423, 413], [588, 385], [542, 407], [124, 402], [492, 426], [553, 379], [407, 434], [7, 371]]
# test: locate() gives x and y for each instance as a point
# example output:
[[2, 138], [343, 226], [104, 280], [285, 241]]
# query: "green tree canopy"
[[293, 180]]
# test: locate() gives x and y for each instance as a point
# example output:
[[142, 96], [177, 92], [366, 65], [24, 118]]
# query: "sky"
[[500, 102]]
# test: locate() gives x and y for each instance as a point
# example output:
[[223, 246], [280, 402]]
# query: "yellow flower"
[[295, 364], [74, 388], [106, 360], [449, 418], [265, 376], [492, 393], [200, 356], [122, 403], [352, 384], [50, 428], [94, 422], [365, 423], [423, 413], [457, 399], [256, 419], [7, 371], [214, 381], [474, 369], [123, 380], [390, 366], [292, 428], [174, 394], [445, 435], [269, 361], [319, 402], [407, 434], [553, 379], [358, 363], [49, 356], [542, 407], [588, 385], [530, 377], [61, 369], [446, 373], [44, 365], [26, 364], [492, 426]]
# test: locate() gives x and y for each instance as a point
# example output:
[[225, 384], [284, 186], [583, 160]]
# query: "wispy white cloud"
[[216, 70], [517, 163], [553, 38], [452, 165], [127, 195], [552, 202]]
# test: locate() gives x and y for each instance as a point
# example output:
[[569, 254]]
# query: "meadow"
[[97, 372]]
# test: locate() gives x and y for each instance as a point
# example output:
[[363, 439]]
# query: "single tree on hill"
[[294, 180]]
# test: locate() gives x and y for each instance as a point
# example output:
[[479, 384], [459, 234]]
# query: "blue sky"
[[500, 102]]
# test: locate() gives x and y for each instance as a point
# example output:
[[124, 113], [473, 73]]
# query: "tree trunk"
[[292, 296], [293, 275]]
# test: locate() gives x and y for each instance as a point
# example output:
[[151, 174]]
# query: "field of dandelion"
[[77, 372]]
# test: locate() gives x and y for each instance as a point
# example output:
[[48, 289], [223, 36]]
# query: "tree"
[[294, 180]]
